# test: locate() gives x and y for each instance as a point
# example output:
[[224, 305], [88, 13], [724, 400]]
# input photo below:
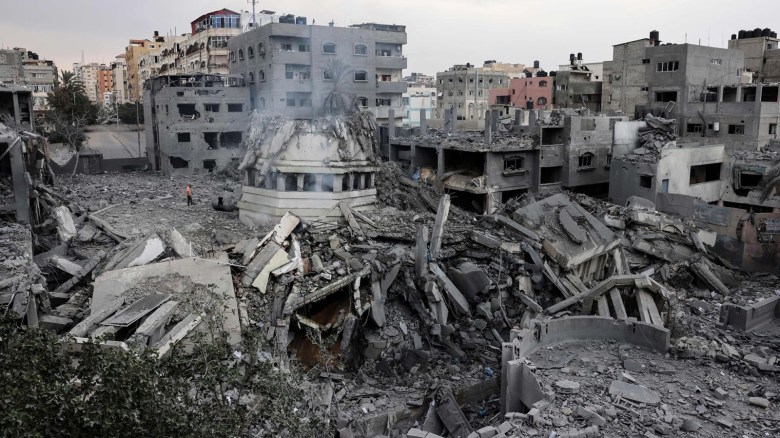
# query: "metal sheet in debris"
[[137, 310]]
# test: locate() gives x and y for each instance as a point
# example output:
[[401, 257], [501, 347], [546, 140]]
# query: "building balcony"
[[382, 112], [296, 85], [391, 87], [390, 37], [291, 57], [391, 62]]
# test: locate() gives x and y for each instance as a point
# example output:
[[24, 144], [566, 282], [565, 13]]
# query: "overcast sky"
[[441, 32]]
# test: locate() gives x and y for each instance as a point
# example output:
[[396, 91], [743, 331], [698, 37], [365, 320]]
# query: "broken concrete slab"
[[635, 393], [469, 279], [66, 229], [204, 285], [457, 299], [522, 388], [65, 265], [89, 323]]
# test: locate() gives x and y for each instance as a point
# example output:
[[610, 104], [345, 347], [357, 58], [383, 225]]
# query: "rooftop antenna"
[[253, 20]]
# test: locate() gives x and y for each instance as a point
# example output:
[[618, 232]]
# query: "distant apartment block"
[[119, 78], [22, 67], [195, 123], [291, 67], [465, 89], [579, 84], [418, 100]]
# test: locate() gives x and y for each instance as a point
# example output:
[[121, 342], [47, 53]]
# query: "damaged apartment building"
[[715, 94], [195, 123], [720, 189], [555, 150], [292, 67]]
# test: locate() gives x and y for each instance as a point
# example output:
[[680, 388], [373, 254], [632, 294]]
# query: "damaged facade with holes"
[[478, 172], [195, 123], [718, 189], [539, 150], [308, 166]]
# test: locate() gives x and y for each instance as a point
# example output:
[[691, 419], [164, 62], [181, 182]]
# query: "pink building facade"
[[539, 90]]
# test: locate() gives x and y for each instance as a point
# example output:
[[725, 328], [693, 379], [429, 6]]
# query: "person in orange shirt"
[[188, 190]]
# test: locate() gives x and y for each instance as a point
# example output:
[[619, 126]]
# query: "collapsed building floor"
[[558, 313]]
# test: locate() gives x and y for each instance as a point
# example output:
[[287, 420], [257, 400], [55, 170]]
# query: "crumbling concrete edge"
[[549, 332], [751, 317]]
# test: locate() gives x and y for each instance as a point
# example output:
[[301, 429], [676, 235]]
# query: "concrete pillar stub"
[[494, 121], [739, 93], [318, 182], [488, 127], [351, 181], [423, 123], [391, 123], [299, 180], [338, 181], [280, 182]]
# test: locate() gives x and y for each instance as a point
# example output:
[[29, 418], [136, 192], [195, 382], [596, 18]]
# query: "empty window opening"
[[769, 94], [588, 124], [773, 128], [235, 107], [750, 179], [230, 139], [210, 165], [514, 165], [326, 182], [729, 94], [361, 76], [178, 162], [666, 96], [290, 182], [188, 111], [211, 107], [309, 182], [736, 129], [329, 48], [645, 181], [345, 186], [705, 173], [552, 136], [212, 139], [585, 161], [694, 127], [183, 137], [551, 175]]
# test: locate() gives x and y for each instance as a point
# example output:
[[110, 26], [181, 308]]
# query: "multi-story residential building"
[[88, 75], [415, 101], [11, 69], [119, 79], [142, 58], [420, 80], [292, 67], [465, 89], [194, 123], [758, 45], [22, 67], [625, 76], [524, 92], [105, 81], [579, 85]]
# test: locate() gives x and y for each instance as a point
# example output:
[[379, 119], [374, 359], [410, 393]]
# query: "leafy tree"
[[70, 112], [50, 389], [127, 113]]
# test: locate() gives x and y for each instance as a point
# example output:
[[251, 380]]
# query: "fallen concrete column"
[[459, 302], [595, 292], [91, 264], [438, 226], [421, 253], [703, 271]]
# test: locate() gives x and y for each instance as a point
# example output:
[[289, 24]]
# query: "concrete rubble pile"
[[659, 133], [422, 293], [555, 315], [500, 139]]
